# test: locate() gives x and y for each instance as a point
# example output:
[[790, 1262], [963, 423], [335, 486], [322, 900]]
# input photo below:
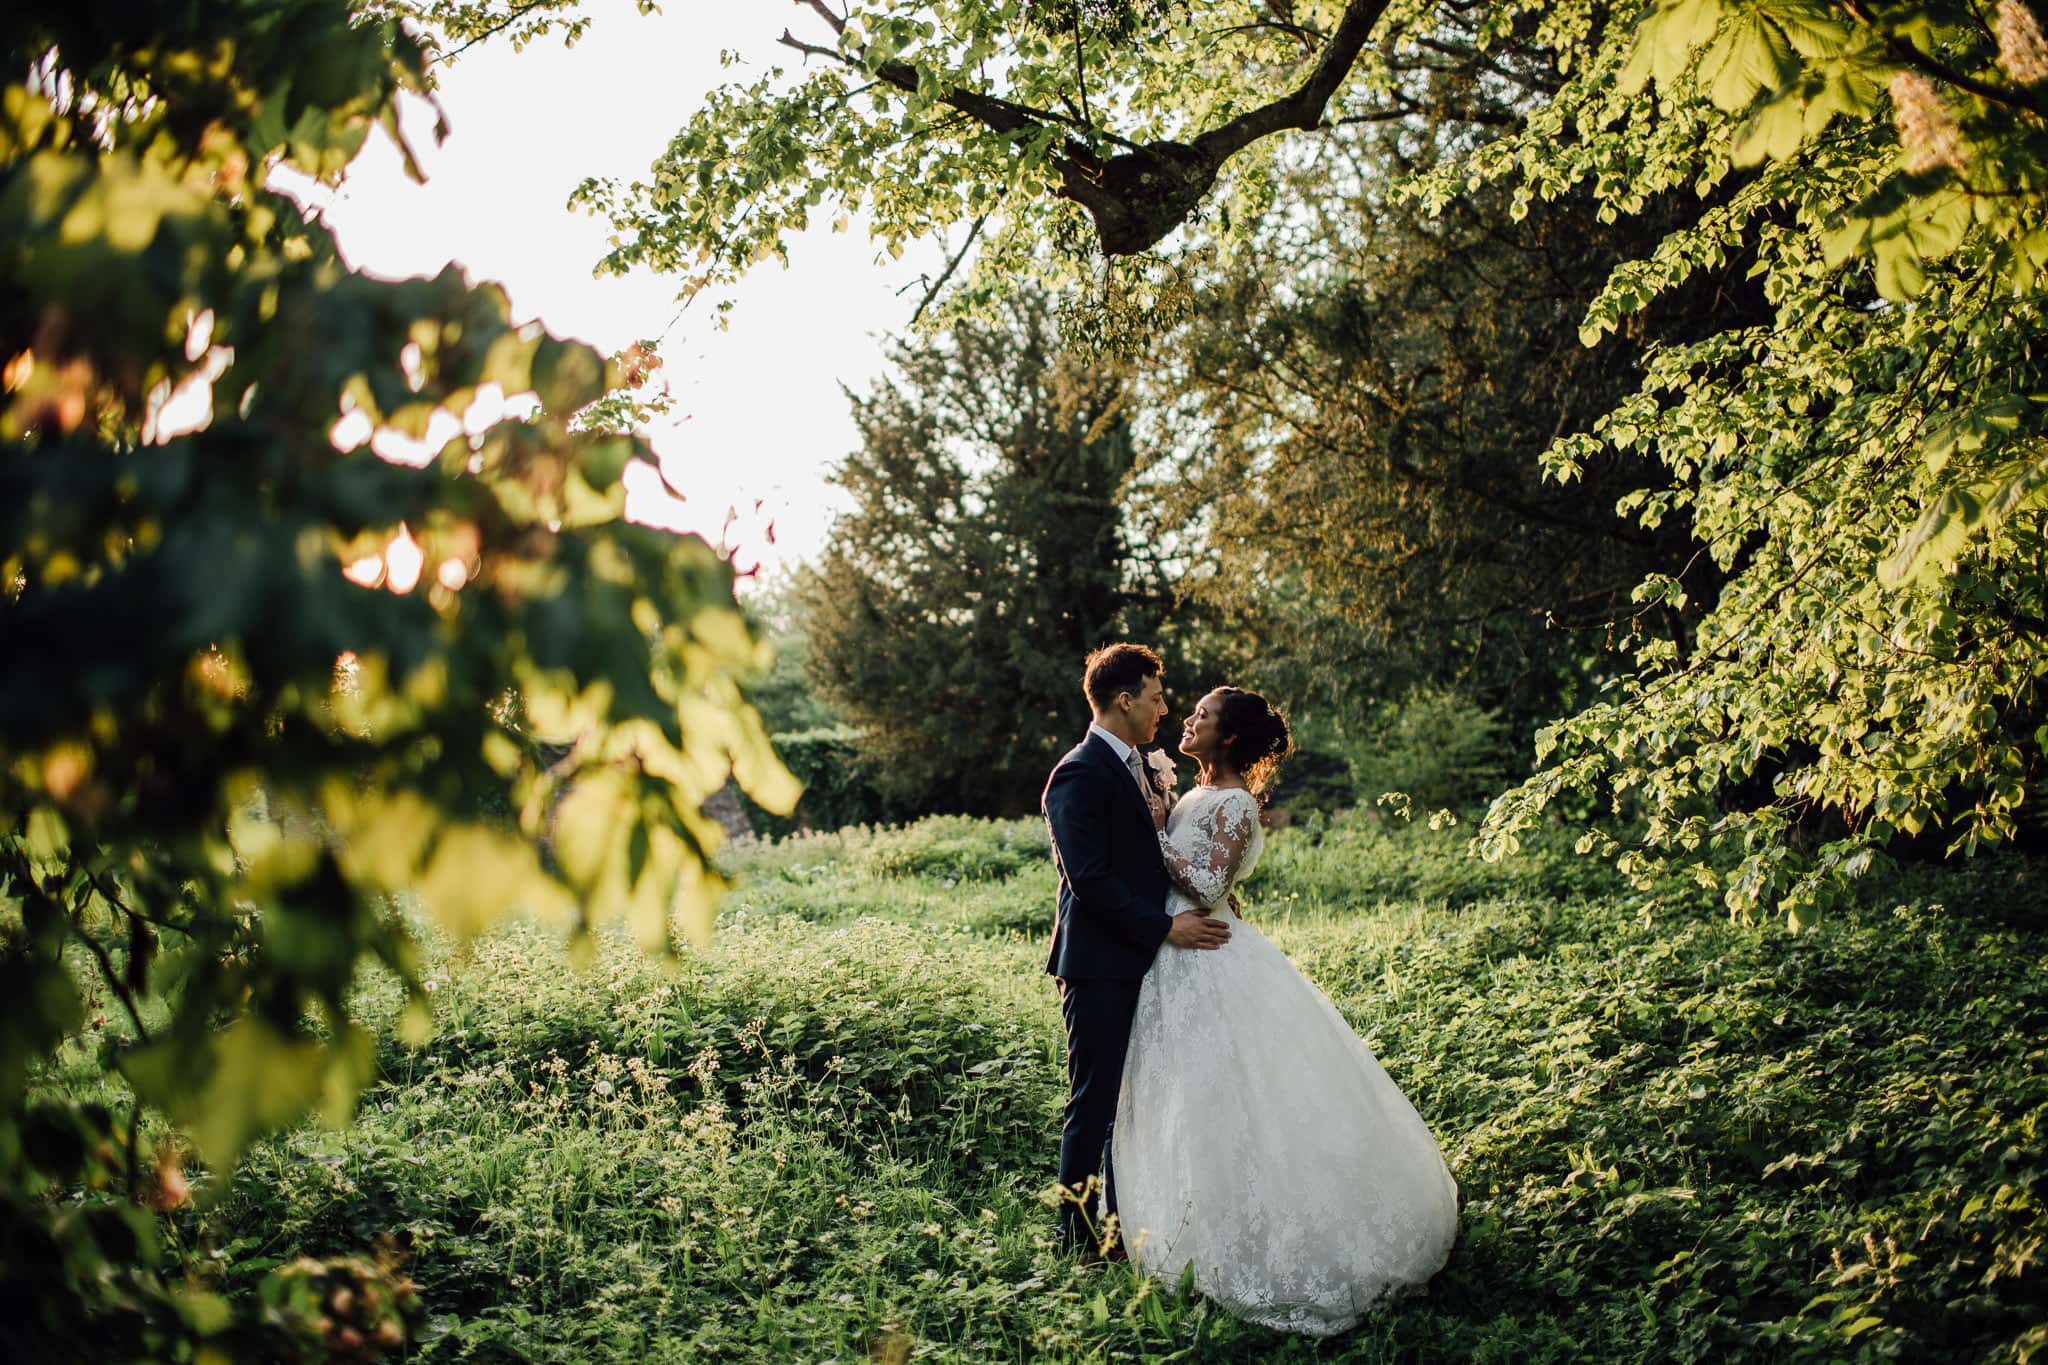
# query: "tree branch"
[[825, 12], [1307, 37], [2010, 96], [992, 112], [1139, 196], [1080, 69], [113, 978], [1303, 107], [789, 39], [951, 266], [512, 16]]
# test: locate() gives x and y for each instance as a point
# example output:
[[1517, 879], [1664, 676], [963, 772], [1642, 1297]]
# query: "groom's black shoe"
[[1081, 1238], [1093, 1255], [1079, 1242], [1090, 1247]]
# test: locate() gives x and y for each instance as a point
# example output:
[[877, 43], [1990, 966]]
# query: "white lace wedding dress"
[[1257, 1137]]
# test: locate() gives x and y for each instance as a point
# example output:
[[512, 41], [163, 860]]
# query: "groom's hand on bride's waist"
[[1193, 929]]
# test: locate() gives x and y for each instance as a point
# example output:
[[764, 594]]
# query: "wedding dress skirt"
[[1259, 1140]]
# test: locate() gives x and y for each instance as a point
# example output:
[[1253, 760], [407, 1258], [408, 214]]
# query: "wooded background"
[[1623, 418]]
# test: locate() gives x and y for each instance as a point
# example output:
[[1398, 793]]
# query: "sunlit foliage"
[[258, 679], [1866, 468], [1862, 467]]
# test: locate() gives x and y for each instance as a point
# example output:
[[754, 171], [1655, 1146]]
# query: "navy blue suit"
[[1110, 922]]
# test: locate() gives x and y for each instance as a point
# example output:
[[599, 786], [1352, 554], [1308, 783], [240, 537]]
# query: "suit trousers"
[[1098, 1017]]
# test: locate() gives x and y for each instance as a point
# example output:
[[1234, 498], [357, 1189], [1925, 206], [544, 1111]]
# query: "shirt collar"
[[1123, 751]]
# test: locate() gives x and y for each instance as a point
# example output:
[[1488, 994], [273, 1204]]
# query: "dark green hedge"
[[835, 793]]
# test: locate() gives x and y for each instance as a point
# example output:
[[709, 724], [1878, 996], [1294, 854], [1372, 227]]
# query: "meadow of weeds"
[[826, 1136]]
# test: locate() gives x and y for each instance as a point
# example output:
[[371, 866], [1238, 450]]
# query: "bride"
[[1257, 1138]]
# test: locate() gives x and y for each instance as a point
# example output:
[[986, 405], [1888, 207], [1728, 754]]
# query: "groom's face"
[[1148, 705]]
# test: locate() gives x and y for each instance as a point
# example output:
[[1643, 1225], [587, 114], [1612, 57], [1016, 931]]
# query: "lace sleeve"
[[1222, 833]]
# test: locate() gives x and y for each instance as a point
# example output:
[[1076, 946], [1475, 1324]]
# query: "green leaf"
[[206, 1313], [1817, 31], [48, 838], [508, 362], [134, 203], [1750, 55], [1665, 40], [415, 1027], [567, 375], [604, 462], [1775, 131], [477, 875], [242, 1082], [1959, 513]]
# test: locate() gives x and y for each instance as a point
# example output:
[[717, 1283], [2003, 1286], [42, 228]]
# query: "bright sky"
[[760, 416]]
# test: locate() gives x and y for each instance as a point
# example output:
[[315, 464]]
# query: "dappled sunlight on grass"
[[1676, 1136]]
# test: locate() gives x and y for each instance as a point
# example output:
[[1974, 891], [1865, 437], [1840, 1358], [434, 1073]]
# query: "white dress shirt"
[[1123, 753]]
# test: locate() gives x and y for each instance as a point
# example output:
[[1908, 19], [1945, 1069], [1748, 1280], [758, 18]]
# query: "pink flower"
[[2021, 49], [1927, 129]]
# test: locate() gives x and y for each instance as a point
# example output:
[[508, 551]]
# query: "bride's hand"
[[1157, 803]]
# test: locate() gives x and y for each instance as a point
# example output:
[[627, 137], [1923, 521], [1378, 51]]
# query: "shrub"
[[1436, 745], [835, 793], [1356, 861], [1317, 781], [953, 848]]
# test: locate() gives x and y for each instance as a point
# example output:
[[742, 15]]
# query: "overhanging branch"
[[1303, 108], [1141, 194]]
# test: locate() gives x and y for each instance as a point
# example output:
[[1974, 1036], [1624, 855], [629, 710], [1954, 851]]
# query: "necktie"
[[1132, 762]]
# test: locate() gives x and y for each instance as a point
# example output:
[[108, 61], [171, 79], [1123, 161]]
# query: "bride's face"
[[1199, 733]]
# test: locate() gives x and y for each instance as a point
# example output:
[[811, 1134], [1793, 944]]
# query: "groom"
[[1102, 812]]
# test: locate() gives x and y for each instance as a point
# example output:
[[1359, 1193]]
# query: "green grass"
[[1676, 1137]]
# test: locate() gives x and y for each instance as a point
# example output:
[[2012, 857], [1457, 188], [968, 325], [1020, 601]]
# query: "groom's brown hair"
[[1116, 669]]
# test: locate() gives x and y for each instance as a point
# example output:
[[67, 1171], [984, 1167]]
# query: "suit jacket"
[[1112, 906]]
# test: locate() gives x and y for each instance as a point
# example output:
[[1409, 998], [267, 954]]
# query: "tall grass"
[[826, 1137]]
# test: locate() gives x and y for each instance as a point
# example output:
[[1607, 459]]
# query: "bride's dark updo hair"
[[1255, 736]]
